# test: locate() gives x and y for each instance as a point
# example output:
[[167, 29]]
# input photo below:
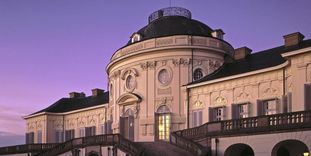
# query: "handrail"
[[251, 125], [26, 148], [187, 144], [115, 140], [260, 124]]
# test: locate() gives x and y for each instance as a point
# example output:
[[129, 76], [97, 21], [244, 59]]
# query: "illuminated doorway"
[[163, 123], [127, 124]]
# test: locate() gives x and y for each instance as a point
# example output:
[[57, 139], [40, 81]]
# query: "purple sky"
[[49, 48]]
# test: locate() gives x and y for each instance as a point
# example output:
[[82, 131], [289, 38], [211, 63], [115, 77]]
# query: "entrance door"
[[163, 123], [127, 125]]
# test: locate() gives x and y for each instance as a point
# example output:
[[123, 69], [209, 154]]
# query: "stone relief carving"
[[148, 64], [115, 74], [198, 105], [164, 91], [134, 107], [213, 65], [242, 94], [128, 71], [163, 101], [220, 100], [268, 90], [181, 61]]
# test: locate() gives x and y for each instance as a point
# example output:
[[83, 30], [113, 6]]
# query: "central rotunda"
[[147, 97]]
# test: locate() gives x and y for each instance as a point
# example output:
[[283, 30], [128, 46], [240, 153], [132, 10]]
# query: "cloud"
[[10, 139]]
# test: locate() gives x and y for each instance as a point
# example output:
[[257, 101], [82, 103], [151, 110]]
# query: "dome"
[[172, 21]]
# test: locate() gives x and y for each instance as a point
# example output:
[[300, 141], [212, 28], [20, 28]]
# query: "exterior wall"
[[94, 117], [49, 123], [299, 74], [250, 88], [145, 67], [36, 124], [242, 90], [262, 145]]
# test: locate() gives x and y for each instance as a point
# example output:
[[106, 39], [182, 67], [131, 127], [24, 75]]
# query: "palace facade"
[[177, 77]]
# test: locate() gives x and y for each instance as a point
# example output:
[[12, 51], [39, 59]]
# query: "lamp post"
[[306, 154]]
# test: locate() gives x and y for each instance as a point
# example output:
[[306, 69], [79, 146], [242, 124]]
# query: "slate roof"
[[173, 25], [71, 104], [256, 61]]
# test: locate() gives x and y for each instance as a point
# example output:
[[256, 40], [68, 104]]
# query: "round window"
[[164, 76], [130, 82], [197, 74]]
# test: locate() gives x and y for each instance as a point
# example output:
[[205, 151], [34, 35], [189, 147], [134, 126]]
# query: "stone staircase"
[[161, 148]]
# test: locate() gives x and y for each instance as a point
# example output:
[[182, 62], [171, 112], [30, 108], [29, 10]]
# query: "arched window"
[[135, 38], [163, 123], [197, 74]]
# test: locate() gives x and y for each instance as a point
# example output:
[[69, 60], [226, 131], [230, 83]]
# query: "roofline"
[[64, 113], [296, 52], [166, 48], [240, 75]]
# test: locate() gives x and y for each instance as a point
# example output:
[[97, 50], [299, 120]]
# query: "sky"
[[49, 48]]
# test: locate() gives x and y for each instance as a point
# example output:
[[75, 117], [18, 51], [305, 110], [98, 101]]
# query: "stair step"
[[161, 148]]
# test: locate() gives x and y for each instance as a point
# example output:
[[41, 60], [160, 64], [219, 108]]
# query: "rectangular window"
[[269, 107], [217, 114], [39, 136], [243, 110], [90, 131], [82, 132], [197, 118], [240, 110], [103, 129], [69, 134], [307, 96], [30, 137], [59, 136]]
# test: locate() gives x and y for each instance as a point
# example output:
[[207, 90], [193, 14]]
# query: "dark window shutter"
[[289, 101], [32, 137], [109, 128], [211, 115], [67, 137], [56, 137], [234, 111], [131, 127], [87, 131], [61, 136], [94, 130], [156, 130], [260, 108], [307, 88], [284, 104], [121, 127], [200, 117], [27, 138], [194, 119]]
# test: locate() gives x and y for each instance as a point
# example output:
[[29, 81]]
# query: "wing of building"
[[177, 78]]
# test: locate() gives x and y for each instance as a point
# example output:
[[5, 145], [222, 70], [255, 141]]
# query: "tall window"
[[216, 114], [90, 131], [163, 123], [59, 136], [197, 118], [82, 132], [267, 107], [69, 134], [307, 96], [39, 136], [240, 111], [30, 138], [197, 74]]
